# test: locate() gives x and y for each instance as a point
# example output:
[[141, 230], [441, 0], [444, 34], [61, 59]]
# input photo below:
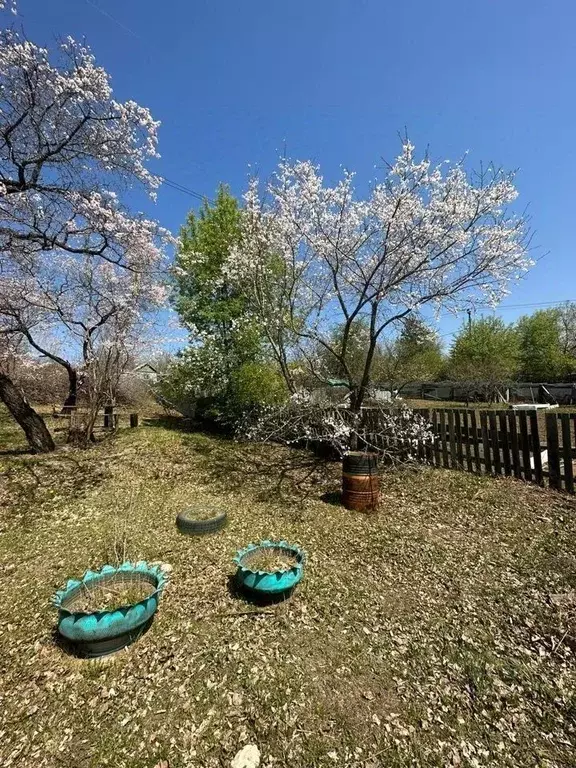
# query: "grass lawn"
[[439, 632]]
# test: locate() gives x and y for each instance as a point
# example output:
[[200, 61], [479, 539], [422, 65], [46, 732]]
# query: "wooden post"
[[553, 451], [133, 420], [525, 441], [567, 452], [108, 416], [452, 437], [485, 442], [474, 432], [458, 427], [428, 448], [513, 435], [505, 444], [468, 438], [435, 447], [538, 477], [495, 442], [442, 415]]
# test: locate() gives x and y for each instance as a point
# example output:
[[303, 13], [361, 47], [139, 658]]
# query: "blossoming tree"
[[63, 310], [316, 257], [67, 148]]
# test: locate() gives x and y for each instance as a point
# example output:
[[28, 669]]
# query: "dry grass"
[[437, 632], [109, 597], [269, 560]]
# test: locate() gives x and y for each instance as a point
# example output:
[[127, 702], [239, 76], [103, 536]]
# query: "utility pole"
[[469, 319]]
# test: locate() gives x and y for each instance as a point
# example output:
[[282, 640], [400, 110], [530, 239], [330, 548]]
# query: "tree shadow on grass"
[[16, 452], [269, 471], [33, 482], [174, 423], [332, 497]]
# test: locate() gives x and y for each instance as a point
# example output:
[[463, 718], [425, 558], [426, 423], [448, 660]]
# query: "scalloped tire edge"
[[199, 527]]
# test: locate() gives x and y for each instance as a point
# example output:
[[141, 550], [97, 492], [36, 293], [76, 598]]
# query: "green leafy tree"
[[567, 321], [485, 353], [416, 355], [544, 353], [209, 304], [224, 368]]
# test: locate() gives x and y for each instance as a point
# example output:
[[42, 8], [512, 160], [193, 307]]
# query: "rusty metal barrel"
[[360, 481]]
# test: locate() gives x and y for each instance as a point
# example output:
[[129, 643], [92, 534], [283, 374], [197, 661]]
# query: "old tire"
[[187, 522], [360, 463]]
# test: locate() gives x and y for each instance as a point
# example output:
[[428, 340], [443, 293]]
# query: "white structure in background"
[[144, 372]]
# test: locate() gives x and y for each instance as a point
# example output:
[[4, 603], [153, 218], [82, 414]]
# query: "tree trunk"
[[72, 397], [37, 433]]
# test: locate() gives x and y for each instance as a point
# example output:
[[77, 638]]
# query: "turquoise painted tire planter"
[[269, 582], [98, 633]]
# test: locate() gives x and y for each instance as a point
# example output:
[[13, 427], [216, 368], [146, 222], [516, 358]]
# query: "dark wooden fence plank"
[[567, 452], [514, 445], [420, 450], [443, 440], [553, 450], [525, 442], [506, 442], [476, 444], [485, 442], [452, 437], [536, 455], [503, 421], [495, 443], [428, 447], [458, 419], [435, 429], [467, 437]]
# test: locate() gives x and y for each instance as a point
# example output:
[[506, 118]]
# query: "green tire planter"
[[269, 582], [99, 633]]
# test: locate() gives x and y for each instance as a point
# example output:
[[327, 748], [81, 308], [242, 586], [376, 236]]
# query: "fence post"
[[504, 440], [442, 415], [485, 442], [467, 437], [513, 435], [428, 449], [553, 450], [527, 467], [567, 452], [534, 432], [452, 437], [474, 429], [495, 442], [133, 420], [435, 447], [108, 416]]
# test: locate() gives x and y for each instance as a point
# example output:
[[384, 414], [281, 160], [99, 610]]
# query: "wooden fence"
[[502, 442]]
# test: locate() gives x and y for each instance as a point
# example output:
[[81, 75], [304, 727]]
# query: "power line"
[[185, 190], [535, 304], [488, 308], [115, 20]]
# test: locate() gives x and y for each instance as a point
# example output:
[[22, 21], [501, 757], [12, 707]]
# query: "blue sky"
[[335, 81]]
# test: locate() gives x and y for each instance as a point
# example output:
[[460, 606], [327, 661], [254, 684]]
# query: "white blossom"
[[315, 256], [75, 264]]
